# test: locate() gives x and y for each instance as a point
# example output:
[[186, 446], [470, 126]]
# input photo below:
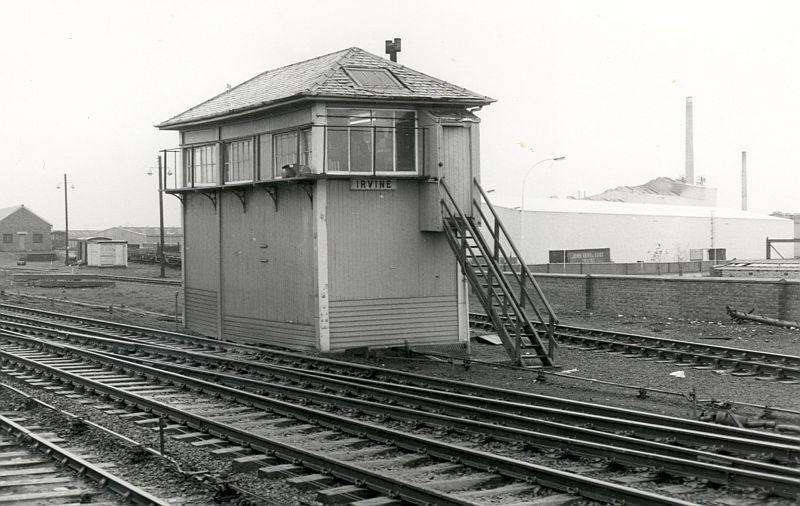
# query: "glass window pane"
[[265, 156], [305, 147], [405, 136], [360, 122], [384, 143], [284, 150], [360, 149], [204, 164], [187, 167], [337, 150]]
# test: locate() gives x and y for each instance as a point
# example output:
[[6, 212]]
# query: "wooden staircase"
[[507, 291]]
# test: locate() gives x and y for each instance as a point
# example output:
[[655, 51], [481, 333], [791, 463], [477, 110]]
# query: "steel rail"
[[82, 467], [787, 450], [678, 461], [434, 386], [500, 412], [528, 472], [753, 361]]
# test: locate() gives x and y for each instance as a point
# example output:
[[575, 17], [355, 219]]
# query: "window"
[[37, 238], [239, 161], [305, 147], [284, 150], [8, 238], [367, 140], [374, 78], [201, 165]]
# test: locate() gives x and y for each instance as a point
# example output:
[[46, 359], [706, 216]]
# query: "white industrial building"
[[633, 232]]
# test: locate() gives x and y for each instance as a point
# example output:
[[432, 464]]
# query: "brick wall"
[[25, 222], [701, 298]]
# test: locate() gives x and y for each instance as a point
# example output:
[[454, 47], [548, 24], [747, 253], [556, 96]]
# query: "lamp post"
[[66, 220], [522, 197], [160, 250]]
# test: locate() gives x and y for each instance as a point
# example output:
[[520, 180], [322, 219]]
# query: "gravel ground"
[[155, 475], [574, 363], [152, 474], [601, 366]]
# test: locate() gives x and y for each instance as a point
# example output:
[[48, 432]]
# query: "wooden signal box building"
[[311, 205]]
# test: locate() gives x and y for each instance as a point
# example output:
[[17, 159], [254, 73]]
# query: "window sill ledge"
[[293, 180]]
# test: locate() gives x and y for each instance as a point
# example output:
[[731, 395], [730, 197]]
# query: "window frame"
[[36, 236], [253, 159], [298, 132], [352, 73], [8, 238], [373, 129], [189, 163]]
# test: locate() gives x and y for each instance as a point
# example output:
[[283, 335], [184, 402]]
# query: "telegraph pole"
[[66, 224], [161, 212]]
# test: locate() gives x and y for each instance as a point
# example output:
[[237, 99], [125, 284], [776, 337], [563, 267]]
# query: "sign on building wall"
[[373, 184], [580, 256]]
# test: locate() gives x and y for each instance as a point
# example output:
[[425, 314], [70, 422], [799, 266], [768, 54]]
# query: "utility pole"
[[66, 224], [161, 212]]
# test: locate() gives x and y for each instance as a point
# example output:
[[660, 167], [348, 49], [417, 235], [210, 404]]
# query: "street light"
[[522, 196], [66, 218], [160, 250]]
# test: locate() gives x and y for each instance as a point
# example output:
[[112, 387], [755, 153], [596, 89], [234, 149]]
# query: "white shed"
[[107, 253]]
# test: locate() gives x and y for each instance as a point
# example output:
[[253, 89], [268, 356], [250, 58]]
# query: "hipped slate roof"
[[8, 211], [325, 76]]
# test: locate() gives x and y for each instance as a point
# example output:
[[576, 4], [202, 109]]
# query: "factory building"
[[568, 230], [23, 230], [142, 236], [311, 205]]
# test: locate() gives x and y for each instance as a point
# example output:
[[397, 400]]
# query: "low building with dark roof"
[[311, 205], [144, 236], [23, 230]]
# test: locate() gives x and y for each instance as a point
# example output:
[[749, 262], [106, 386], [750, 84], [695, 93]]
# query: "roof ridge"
[[336, 65], [253, 79]]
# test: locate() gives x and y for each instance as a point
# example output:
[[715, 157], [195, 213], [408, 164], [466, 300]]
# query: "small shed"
[[102, 252]]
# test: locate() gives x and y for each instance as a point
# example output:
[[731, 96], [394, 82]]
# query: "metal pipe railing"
[[523, 266], [521, 322]]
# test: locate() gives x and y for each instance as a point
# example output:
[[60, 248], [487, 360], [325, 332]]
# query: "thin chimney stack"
[[744, 180], [689, 174]]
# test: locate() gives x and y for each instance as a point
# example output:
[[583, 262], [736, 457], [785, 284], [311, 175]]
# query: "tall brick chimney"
[[744, 180], [689, 174]]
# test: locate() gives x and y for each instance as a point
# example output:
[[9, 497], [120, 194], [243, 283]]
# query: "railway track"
[[307, 438], [499, 420], [62, 326], [36, 469], [735, 361]]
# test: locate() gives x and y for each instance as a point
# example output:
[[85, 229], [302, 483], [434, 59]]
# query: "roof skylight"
[[374, 78]]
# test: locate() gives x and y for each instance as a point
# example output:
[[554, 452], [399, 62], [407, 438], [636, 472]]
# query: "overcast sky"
[[601, 82]]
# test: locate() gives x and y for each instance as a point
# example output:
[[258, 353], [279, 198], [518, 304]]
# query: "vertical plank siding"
[[389, 282], [269, 285], [201, 265], [457, 167]]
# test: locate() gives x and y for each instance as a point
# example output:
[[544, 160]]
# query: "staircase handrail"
[[525, 323], [523, 266], [517, 277]]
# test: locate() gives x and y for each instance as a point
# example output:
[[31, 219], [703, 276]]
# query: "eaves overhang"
[[300, 98]]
